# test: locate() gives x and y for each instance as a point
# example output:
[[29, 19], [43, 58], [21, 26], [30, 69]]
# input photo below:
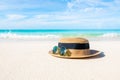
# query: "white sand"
[[29, 60]]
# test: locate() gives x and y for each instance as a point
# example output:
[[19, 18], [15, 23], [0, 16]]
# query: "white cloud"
[[2, 7], [15, 16], [70, 5], [79, 13], [42, 16], [56, 17], [60, 21], [92, 5]]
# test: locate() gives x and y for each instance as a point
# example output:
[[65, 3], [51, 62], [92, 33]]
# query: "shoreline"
[[57, 39], [93, 35]]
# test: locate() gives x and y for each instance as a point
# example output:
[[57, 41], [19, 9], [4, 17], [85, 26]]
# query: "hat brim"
[[92, 53]]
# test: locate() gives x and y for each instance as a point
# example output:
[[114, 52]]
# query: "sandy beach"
[[29, 60]]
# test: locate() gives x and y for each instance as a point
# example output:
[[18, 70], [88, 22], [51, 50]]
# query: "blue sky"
[[59, 14]]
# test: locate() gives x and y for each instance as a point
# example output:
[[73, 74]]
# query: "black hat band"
[[74, 45]]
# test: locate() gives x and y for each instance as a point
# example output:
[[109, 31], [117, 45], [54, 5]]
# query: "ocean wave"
[[110, 35], [105, 36], [19, 36]]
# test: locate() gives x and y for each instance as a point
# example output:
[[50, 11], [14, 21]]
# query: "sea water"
[[92, 34]]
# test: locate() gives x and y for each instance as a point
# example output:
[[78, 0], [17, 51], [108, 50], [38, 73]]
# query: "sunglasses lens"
[[55, 49], [62, 50]]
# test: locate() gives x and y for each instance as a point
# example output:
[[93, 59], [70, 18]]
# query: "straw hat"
[[73, 48]]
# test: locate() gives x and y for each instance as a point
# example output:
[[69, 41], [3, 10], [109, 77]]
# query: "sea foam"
[[110, 35], [105, 36], [26, 36]]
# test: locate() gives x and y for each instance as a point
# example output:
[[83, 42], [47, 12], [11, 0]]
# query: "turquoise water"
[[48, 33]]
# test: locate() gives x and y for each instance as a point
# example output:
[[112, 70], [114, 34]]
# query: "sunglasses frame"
[[58, 50]]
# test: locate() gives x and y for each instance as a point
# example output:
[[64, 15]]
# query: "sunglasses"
[[61, 51]]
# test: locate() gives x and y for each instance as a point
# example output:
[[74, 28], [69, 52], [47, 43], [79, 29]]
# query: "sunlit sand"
[[29, 60]]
